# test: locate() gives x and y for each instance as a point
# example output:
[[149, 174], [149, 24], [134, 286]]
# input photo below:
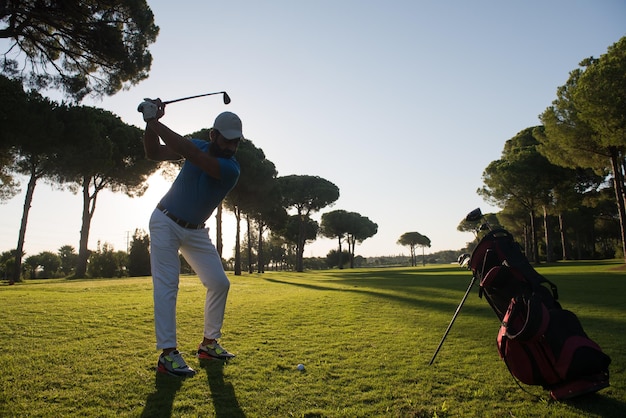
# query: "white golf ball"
[[300, 367]]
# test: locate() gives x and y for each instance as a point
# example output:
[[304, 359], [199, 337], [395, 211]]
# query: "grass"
[[365, 336]]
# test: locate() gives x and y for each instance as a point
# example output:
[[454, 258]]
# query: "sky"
[[401, 104]]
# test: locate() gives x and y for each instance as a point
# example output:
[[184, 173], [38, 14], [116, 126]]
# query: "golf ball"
[[300, 367]]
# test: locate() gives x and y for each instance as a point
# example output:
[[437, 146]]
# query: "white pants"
[[166, 239]]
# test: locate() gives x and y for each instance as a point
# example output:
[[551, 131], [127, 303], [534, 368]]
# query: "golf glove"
[[151, 109]]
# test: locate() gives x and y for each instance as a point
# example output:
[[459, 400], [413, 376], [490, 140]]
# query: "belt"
[[179, 221]]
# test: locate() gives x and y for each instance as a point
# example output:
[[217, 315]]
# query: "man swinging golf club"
[[209, 172]]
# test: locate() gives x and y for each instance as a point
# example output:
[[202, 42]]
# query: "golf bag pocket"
[[521, 343], [528, 361], [550, 351], [578, 355]]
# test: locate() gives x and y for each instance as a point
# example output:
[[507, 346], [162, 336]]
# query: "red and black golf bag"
[[540, 342]]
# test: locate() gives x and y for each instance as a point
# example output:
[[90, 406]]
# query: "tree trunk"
[[533, 237], [351, 248], [619, 195], [237, 243], [28, 199], [546, 228], [89, 206], [526, 234], [340, 254], [260, 262], [300, 245], [249, 233], [564, 250]]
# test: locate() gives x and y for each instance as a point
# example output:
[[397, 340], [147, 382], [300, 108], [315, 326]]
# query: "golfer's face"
[[227, 148]]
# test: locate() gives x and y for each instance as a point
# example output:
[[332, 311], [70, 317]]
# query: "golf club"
[[226, 97]]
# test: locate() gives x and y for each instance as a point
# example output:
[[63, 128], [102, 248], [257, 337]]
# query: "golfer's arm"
[[154, 150], [176, 145]]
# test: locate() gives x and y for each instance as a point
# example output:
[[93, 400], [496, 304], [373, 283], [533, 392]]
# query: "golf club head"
[[474, 215], [226, 98], [464, 259], [484, 227]]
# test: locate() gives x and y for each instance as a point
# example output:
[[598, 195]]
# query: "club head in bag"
[[464, 259], [474, 215]]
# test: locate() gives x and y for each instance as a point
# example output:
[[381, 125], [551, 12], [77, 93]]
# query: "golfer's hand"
[[151, 109]]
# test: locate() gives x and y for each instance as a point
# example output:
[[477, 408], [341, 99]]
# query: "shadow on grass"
[[159, 403], [222, 393], [426, 288], [422, 296], [598, 404]]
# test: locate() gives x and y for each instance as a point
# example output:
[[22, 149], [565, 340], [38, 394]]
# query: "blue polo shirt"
[[194, 195]]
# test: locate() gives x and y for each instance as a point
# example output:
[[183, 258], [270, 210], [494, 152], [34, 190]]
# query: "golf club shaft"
[[226, 98], [458, 309]]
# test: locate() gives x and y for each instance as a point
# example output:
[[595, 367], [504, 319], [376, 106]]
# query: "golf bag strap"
[[519, 384]]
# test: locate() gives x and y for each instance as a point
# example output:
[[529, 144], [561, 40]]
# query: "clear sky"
[[401, 104]]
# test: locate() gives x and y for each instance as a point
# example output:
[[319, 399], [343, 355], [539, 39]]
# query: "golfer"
[[209, 172]]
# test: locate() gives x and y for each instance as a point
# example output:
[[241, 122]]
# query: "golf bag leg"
[[458, 309]]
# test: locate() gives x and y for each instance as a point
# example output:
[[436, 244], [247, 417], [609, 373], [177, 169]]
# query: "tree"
[[257, 195], [111, 156], [336, 258], [295, 230], [333, 226], [50, 263], [45, 264], [30, 266], [570, 195], [276, 251], [269, 214], [412, 240], [586, 125], [79, 47], [139, 254], [519, 176], [349, 226], [35, 154], [67, 255], [13, 101], [106, 262], [359, 229], [306, 194], [7, 258], [600, 97]]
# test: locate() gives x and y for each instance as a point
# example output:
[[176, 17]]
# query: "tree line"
[[83, 49], [85, 149], [561, 184]]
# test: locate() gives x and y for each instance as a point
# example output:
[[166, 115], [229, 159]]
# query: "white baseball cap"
[[229, 125]]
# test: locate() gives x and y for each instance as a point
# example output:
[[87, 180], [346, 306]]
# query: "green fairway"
[[365, 337]]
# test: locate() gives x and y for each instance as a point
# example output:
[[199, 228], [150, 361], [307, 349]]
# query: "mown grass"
[[365, 336]]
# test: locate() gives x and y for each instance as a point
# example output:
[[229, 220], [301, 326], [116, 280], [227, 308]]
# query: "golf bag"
[[540, 342]]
